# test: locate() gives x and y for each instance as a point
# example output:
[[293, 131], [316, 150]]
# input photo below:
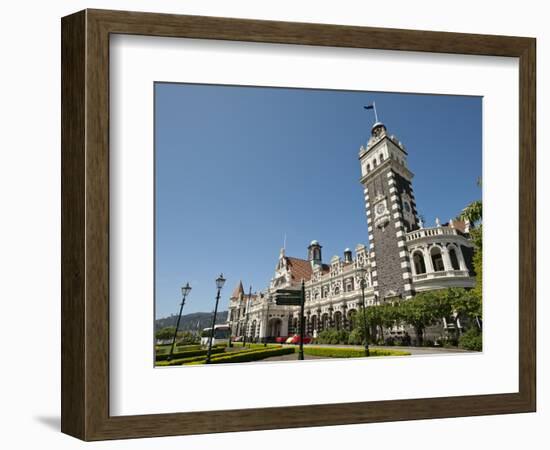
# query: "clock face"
[[380, 208]]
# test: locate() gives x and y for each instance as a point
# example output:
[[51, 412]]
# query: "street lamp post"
[[230, 344], [184, 291], [267, 321], [246, 316], [362, 274], [219, 284]]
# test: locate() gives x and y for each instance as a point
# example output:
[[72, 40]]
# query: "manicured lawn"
[[257, 352], [337, 352]]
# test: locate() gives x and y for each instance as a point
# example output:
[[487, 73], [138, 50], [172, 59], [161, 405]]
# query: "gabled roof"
[[299, 268], [238, 290]]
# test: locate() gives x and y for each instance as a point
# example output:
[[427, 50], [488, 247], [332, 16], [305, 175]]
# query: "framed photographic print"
[[325, 224]]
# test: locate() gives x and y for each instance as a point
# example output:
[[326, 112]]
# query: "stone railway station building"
[[404, 258]]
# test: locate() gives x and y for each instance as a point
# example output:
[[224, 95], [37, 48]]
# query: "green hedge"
[[161, 349], [378, 352], [189, 354], [179, 362], [335, 352], [332, 336], [471, 340], [249, 355], [256, 345]]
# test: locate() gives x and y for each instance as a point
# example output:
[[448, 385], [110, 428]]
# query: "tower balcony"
[[424, 233], [442, 279], [440, 257]]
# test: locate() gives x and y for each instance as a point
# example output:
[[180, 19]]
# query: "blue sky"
[[237, 168]]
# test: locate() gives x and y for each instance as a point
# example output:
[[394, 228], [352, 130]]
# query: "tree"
[[423, 310], [465, 303], [474, 213], [187, 337], [165, 333], [375, 321]]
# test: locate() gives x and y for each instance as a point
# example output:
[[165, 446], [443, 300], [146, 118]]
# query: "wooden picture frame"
[[85, 224]]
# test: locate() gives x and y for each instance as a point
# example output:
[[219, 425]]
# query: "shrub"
[[187, 338], [471, 340], [161, 349], [378, 352], [179, 362], [332, 336], [350, 352], [256, 345], [355, 337], [187, 354], [251, 355]]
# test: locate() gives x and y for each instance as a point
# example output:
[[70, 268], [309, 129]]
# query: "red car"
[[296, 339]]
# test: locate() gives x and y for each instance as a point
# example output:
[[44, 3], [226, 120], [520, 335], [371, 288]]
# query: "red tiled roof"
[[460, 225], [238, 290], [299, 268]]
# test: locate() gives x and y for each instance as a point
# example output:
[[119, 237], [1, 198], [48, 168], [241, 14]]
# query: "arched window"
[[381, 157], [368, 167], [454, 259], [419, 264], [324, 321], [437, 259], [374, 163], [336, 290]]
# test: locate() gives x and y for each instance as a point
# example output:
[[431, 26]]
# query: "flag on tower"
[[373, 107]]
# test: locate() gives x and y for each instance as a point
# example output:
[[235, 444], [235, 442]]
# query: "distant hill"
[[191, 322]]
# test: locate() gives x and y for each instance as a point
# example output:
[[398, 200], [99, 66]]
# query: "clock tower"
[[391, 212]]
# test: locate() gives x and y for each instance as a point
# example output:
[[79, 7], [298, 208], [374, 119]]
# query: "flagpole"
[[375, 114]]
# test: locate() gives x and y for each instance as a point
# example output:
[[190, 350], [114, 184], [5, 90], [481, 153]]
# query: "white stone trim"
[[389, 174], [374, 273], [373, 264], [402, 253], [406, 275], [371, 237], [394, 206], [391, 181], [393, 189], [374, 283], [396, 215], [405, 264], [401, 244], [407, 287], [370, 228], [399, 233], [398, 224]]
